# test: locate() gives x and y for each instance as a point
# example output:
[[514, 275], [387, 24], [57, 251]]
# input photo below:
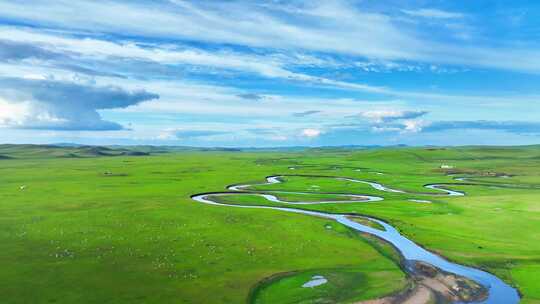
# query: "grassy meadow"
[[109, 225]]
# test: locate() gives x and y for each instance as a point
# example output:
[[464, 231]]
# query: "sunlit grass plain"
[[93, 228]]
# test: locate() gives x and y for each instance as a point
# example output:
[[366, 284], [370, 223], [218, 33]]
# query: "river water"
[[499, 291]]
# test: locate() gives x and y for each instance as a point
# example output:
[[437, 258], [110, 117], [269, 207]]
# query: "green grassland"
[[118, 226]]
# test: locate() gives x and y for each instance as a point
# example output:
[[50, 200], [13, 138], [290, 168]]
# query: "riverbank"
[[433, 274]]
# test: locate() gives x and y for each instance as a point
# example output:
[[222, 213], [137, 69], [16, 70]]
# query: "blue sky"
[[270, 73]]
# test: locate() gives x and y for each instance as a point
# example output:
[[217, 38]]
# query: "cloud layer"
[[380, 116], [517, 127], [188, 134], [54, 105], [319, 26], [287, 73]]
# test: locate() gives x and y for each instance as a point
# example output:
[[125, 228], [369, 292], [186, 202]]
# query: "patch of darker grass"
[[366, 222]]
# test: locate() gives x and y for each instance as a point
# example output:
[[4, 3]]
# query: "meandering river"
[[499, 291]]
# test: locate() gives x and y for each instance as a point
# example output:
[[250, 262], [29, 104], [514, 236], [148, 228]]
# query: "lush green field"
[[93, 228]]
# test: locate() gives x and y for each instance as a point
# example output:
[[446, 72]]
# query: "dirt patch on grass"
[[431, 285]]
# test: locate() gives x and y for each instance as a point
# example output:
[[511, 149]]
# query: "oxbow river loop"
[[498, 291]]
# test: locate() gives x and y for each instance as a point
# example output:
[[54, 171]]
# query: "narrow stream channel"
[[499, 291]]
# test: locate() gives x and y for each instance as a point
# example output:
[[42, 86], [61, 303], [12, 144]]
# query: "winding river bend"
[[498, 291]]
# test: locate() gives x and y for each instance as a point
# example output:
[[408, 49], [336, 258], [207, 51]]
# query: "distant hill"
[[68, 150], [52, 151]]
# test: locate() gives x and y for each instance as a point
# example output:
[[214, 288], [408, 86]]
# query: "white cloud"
[[227, 23], [386, 115], [328, 34], [311, 133], [14, 114], [433, 13], [167, 54], [268, 65], [413, 125], [380, 129], [323, 26], [55, 105]]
